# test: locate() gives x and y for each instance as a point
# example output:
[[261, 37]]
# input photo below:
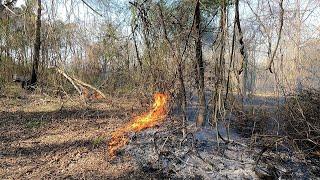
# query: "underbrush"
[[301, 120], [297, 119], [250, 122], [12, 90], [288, 129]]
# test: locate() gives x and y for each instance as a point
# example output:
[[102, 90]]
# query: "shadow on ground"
[[44, 149], [21, 117]]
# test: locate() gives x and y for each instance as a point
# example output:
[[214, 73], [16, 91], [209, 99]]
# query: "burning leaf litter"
[[147, 120]]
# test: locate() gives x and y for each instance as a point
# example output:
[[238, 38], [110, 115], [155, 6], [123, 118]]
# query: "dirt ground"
[[51, 138], [43, 138]]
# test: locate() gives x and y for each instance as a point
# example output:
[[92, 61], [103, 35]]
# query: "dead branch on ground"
[[80, 85]]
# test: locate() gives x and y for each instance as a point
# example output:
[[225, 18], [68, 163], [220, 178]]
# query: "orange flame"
[[149, 119]]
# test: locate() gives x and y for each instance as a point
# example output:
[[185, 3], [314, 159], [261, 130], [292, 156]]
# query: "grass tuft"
[[97, 141], [34, 124]]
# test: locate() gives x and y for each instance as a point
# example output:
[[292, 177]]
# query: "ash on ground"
[[163, 152], [198, 155]]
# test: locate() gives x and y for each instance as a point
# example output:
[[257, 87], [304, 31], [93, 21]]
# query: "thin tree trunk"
[[279, 35], [37, 45], [231, 60], [242, 47], [219, 71], [199, 68], [297, 37], [176, 55], [183, 98], [136, 48], [128, 57], [244, 62]]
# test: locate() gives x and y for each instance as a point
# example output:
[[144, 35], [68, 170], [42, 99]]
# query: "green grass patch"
[[97, 141], [34, 124]]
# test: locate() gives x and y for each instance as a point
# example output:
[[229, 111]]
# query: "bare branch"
[[84, 2], [279, 35]]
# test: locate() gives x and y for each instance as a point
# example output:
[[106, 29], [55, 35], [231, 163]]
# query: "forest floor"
[[45, 137]]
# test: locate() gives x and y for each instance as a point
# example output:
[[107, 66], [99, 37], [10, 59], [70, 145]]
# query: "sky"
[[20, 2]]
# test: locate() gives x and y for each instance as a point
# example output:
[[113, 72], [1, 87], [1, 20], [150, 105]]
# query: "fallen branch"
[[78, 83], [70, 80], [89, 86]]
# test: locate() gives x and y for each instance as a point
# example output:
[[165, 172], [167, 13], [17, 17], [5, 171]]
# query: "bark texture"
[[37, 46], [199, 68]]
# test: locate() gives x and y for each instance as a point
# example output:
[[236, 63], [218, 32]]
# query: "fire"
[[147, 120]]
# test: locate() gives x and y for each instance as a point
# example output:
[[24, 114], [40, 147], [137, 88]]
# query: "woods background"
[[123, 47]]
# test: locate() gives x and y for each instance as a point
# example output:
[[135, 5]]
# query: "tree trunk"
[[199, 68], [297, 51], [231, 60], [128, 57], [244, 62], [37, 45], [136, 48], [219, 72], [183, 98]]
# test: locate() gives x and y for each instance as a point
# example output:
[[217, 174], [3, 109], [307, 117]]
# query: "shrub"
[[302, 119]]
